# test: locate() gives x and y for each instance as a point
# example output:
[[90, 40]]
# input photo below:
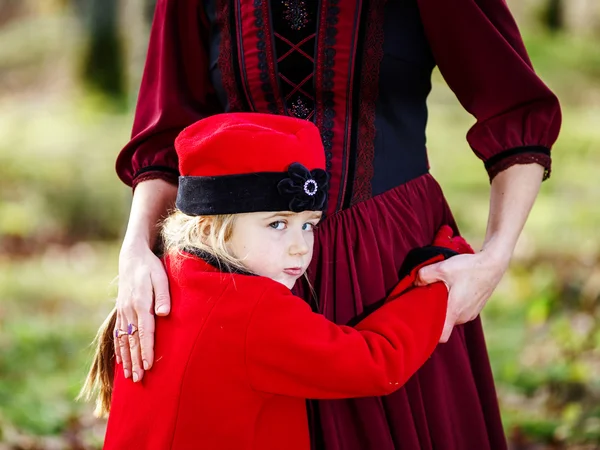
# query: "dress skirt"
[[450, 403]]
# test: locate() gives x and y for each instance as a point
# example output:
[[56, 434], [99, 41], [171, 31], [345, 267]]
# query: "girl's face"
[[278, 245]]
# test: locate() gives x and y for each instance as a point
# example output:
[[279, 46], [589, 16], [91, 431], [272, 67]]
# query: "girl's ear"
[[205, 224]]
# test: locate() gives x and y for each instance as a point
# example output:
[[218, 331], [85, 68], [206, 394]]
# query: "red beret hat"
[[248, 162]]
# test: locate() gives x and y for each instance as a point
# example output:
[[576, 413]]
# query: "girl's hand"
[[143, 291], [471, 280]]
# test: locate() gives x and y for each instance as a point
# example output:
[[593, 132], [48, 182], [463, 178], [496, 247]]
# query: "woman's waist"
[[407, 215], [374, 177], [391, 159]]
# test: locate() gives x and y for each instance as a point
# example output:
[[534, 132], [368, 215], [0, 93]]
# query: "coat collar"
[[215, 264]]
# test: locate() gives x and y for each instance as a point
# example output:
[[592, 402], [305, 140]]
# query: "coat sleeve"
[[175, 91], [480, 53], [292, 351]]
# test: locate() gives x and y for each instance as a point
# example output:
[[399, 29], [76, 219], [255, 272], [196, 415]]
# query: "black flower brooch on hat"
[[305, 189]]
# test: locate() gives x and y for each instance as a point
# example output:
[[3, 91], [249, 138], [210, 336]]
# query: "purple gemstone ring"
[[131, 329]]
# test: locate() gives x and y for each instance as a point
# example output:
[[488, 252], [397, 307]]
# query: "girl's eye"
[[309, 226], [278, 225]]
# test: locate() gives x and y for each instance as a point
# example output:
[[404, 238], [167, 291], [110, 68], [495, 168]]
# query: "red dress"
[[239, 354], [361, 70]]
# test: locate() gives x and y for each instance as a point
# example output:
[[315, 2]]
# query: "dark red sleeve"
[[293, 351], [480, 53], [175, 91]]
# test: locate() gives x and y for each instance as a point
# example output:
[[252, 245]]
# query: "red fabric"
[[175, 90], [408, 281], [242, 143], [369, 92], [480, 53], [239, 354], [225, 61], [248, 56], [476, 44], [445, 238], [450, 403], [334, 80]]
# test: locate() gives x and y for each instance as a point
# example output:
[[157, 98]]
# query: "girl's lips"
[[293, 271]]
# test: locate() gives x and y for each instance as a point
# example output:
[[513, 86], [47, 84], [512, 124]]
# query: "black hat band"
[[296, 190]]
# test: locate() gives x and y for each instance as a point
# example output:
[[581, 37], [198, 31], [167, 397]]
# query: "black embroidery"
[[328, 75], [263, 65]]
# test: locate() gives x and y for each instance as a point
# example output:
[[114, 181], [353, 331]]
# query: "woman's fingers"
[[116, 335], [143, 289], [133, 337], [123, 343], [431, 274], [160, 286], [449, 324], [145, 335]]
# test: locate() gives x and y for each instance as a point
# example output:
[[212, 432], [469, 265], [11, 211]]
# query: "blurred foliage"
[[62, 211]]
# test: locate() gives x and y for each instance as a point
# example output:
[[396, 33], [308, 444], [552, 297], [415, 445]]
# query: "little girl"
[[239, 353]]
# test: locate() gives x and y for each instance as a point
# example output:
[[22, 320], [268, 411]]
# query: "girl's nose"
[[299, 245]]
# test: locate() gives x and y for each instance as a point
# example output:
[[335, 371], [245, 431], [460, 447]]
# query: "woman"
[[361, 71]]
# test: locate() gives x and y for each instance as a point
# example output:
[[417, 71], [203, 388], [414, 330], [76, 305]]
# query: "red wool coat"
[[239, 354]]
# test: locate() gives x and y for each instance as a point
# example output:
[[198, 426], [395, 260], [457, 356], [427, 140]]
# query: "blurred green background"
[[69, 72]]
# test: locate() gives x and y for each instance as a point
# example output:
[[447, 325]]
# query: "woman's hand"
[[143, 291], [143, 283], [471, 280]]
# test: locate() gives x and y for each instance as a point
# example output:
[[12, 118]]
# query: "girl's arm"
[[175, 92], [293, 351]]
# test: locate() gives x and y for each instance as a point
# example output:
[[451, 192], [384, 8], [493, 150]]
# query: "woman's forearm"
[[151, 202], [513, 193]]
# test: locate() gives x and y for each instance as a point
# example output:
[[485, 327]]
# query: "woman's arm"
[[175, 92], [473, 278], [142, 278], [480, 53]]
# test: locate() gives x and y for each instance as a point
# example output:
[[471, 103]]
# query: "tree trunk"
[[103, 61]]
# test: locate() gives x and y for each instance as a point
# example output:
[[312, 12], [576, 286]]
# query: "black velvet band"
[[156, 169], [516, 151], [296, 190], [419, 255]]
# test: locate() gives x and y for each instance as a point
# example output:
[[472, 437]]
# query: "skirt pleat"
[[450, 403]]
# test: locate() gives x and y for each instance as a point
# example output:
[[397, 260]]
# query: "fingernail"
[[135, 377], [146, 365], [162, 310], [118, 360], [127, 373]]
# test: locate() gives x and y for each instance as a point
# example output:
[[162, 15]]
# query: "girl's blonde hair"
[[208, 234], [180, 233]]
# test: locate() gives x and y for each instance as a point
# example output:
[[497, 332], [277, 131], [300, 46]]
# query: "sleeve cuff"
[[520, 155], [156, 173]]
